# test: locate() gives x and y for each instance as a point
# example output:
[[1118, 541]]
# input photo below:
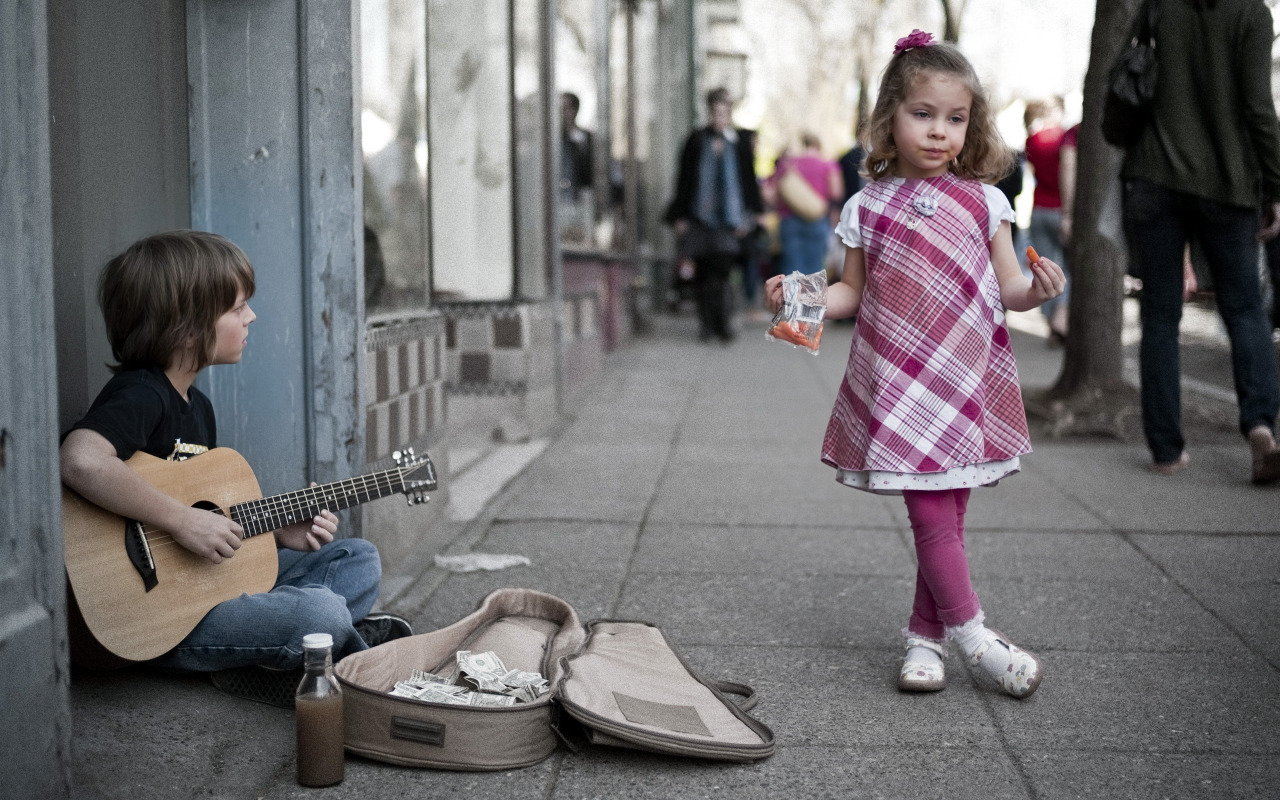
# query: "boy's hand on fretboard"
[[310, 535]]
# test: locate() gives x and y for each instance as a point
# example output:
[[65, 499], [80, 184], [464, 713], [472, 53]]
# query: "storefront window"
[[394, 142]]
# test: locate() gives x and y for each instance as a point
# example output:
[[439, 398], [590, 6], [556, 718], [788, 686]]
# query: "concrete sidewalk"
[[687, 491]]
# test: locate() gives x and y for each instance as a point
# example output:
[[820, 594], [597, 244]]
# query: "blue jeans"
[[804, 244], [1043, 234], [1158, 223], [316, 592]]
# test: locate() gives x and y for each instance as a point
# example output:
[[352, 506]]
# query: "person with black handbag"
[[1204, 165], [717, 203]]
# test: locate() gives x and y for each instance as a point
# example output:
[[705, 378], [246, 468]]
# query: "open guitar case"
[[612, 682]]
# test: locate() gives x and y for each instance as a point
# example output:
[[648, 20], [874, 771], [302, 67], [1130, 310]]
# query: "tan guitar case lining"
[[613, 683]]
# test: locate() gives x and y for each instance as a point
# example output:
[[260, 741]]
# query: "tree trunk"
[[863, 41], [952, 11], [1091, 395]]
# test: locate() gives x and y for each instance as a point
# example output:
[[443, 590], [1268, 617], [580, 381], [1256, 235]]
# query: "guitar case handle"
[[748, 694]]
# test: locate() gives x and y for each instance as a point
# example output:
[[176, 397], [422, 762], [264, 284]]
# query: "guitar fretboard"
[[272, 513]]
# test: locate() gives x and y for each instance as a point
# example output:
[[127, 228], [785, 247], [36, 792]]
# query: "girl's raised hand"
[[1047, 278], [773, 293]]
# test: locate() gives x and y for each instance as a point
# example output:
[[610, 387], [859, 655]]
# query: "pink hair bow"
[[917, 38]]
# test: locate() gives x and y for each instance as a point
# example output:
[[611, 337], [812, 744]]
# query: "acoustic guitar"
[[140, 593]]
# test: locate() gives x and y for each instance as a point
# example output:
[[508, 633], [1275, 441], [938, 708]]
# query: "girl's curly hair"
[[984, 157]]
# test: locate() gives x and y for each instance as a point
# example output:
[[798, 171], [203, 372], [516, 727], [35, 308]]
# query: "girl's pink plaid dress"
[[930, 398]]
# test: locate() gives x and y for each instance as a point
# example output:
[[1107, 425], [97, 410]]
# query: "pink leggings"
[[944, 595]]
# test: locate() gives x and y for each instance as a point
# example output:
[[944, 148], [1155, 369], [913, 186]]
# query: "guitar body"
[[126, 619]]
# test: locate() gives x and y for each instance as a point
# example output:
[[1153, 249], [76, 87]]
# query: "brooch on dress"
[[926, 205]]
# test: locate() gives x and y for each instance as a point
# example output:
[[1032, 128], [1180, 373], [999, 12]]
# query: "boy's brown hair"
[[984, 157], [163, 295]]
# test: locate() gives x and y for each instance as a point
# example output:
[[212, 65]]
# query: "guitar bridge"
[[139, 552]]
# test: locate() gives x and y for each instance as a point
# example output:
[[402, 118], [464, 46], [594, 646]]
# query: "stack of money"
[[482, 680]]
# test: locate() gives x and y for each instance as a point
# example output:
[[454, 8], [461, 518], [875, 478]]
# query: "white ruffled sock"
[[923, 655], [970, 636]]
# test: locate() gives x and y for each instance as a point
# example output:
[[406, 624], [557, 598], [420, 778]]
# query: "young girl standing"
[[930, 405]]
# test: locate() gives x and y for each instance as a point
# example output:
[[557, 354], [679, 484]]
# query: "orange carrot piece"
[[797, 334], [1032, 255]]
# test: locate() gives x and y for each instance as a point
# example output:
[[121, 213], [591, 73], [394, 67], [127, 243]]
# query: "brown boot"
[[1266, 455]]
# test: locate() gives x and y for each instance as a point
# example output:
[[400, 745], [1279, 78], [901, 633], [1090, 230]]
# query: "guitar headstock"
[[418, 472]]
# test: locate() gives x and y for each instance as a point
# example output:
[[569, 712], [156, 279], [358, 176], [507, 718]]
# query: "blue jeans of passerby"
[[1158, 223], [804, 244], [323, 591], [1044, 235]]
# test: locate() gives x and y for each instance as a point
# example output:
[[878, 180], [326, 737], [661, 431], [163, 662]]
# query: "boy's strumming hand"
[[209, 535]]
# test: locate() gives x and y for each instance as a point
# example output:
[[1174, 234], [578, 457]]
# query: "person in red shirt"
[[1044, 124]]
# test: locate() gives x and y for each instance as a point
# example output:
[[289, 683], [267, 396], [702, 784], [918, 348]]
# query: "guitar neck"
[[272, 513]]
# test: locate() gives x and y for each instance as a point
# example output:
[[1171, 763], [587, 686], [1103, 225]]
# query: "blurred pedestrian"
[[1011, 187], [930, 406], [717, 203], [851, 165], [1044, 126], [1205, 163], [805, 220], [1273, 270], [577, 174], [577, 169]]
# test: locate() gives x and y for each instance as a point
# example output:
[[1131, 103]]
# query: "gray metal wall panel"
[[118, 105], [36, 723], [273, 167], [242, 59], [334, 237]]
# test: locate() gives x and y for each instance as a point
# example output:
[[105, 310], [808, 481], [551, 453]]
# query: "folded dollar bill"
[[494, 685]]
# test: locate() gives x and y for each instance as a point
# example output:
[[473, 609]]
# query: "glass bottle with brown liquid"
[[318, 706]]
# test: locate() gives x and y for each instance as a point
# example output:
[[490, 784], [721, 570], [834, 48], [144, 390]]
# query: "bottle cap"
[[317, 641]]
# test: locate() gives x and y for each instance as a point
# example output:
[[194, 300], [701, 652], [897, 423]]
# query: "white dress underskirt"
[[963, 477]]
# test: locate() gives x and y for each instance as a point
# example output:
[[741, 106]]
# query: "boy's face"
[[233, 332]]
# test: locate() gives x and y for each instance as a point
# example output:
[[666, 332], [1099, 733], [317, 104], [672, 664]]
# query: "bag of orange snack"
[[804, 304]]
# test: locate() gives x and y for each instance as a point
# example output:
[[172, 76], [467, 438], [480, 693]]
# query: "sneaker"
[[1266, 455], [1000, 664], [275, 687], [922, 677], [382, 627], [1171, 467]]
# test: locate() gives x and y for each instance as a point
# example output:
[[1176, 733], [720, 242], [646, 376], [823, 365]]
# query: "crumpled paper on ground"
[[471, 562]]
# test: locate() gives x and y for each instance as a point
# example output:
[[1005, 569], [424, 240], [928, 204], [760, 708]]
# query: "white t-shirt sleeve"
[[998, 209], [847, 229]]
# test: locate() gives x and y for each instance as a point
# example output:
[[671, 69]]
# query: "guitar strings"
[[363, 488]]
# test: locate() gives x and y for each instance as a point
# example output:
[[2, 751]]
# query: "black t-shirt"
[[140, 410]]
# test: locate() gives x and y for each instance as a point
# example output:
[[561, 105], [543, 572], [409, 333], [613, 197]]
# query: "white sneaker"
[[1002, 665], [921, 676]]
